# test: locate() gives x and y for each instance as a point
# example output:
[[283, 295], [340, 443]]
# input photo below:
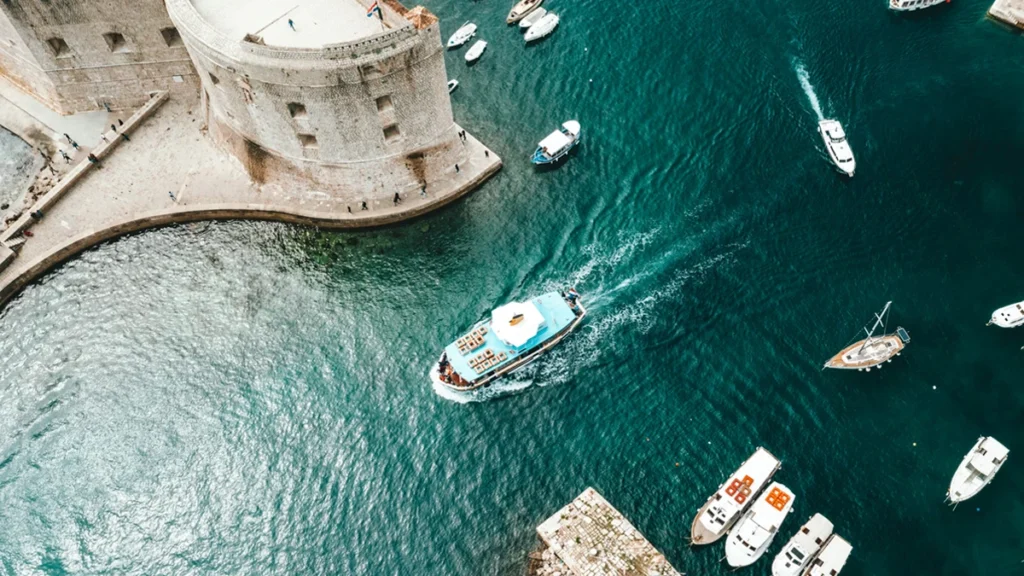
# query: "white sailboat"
[[542, 28], [977, 469], [462, 35], [872, 351], [802, 547]]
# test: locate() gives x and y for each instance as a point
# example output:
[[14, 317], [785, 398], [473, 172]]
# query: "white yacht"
[[521, 9], [838, 148], [476, 50], [909, 5], [802, 547], [1009, 316], [977, 469], [452, 85], [462, 35], [543, 27], [832, 558], [753, 534], [532, 18], [726, 505]]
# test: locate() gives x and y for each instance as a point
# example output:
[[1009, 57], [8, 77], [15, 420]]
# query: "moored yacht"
[[909, 5], [802, 547], [725, 506], [872, 351], [514, 335], [831, 559], [557, 145], [521, 9], [475, 51], [462, 35], [532, 18], [1009, 316], [977, 469], [754, 532], [838, 148], [542, 28]]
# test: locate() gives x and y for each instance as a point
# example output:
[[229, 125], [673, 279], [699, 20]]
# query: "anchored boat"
[[557, 145], [532, 18], [542, 28], [521, 9], [978, 468], [802, 547], [726, 505], [910, 5], [476, 50], [1008, 316], [452, 85], [514, 335], [462, 35], [753, 534], [838, 148], [832, 558], [874, 350]]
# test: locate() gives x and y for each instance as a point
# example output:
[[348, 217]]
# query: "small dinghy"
[[543, 27], [532, 18], [977, 469], [1008, 316], [557, 145], [452, 85], [475, 51], [521, 9], [838, 148], [462, 35]]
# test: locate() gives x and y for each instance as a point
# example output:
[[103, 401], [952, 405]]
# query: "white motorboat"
[[462, 35], [838, 148], [725, 506], [532, 18], [1009, 316], [832, 558], [910, 5], [452, 85], [978, 468], [521, 9], [543, 27], [476, 50], [754, 532], [802, 547]]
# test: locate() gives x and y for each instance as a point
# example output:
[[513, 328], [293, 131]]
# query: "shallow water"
[[252, 397]]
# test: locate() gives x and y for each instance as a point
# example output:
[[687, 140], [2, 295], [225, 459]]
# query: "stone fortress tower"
[[79, 55], [357, 106]]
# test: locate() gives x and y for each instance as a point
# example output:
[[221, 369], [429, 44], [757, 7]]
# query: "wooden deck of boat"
[[840, 361]]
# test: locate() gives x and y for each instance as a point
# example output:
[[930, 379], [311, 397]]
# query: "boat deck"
[[875, 353]]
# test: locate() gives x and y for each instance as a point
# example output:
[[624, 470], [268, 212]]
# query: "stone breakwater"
[[589, 537], [1008, 12]]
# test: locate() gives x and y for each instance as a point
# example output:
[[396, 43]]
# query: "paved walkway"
[[169, 153]]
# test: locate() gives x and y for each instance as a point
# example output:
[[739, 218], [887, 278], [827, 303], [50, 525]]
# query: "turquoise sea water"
[[250, 398]]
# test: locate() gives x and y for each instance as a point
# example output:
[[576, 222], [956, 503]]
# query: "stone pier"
[[1008, 12], [591, 538]]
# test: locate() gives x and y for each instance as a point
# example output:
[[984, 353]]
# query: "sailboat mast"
[[879, 319]]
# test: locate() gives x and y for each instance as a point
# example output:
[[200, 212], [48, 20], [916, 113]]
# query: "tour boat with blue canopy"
[[557, 145], [514, 335]]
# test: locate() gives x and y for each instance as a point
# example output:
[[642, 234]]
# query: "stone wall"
[[76, 55], [371, 117]]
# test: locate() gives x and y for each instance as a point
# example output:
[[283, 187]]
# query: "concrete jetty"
[[589, 537], [1009, 12]]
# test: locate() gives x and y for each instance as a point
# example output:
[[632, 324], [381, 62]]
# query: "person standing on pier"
[[65, 156]]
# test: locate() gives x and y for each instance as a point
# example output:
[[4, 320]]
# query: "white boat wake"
[[805, 82]]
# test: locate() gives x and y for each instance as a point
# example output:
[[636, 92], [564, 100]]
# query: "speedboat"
[[543, 27], [452, 85], [724, 507], [532, 18], [832, 558], [557, 145], [754, 532], [909, 5], [802, 547], [513, 336], [462, 35], [476, 50], [1009, 316], [838, 148], [521, 9], [978, 468]]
